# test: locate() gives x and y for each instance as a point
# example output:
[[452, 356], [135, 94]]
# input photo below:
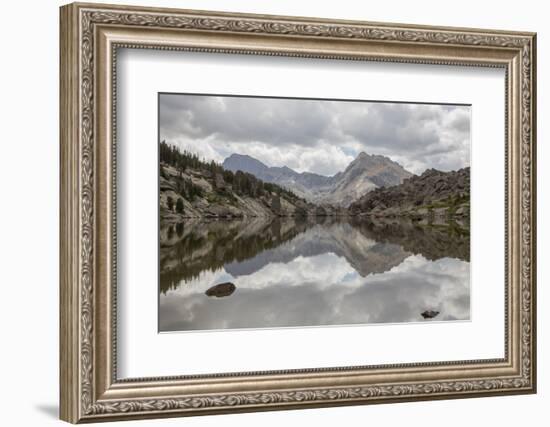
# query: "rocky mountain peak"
[[371, 159], [243, 157], [430, 172], [365, 173], [244, 163]]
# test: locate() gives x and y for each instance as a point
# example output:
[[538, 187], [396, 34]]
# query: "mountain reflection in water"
[[292, 272]]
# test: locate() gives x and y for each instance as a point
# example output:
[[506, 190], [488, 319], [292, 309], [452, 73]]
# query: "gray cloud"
[[317, 136]]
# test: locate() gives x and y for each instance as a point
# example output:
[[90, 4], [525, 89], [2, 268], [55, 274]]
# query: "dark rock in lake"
[[221, 290], [429, 314]]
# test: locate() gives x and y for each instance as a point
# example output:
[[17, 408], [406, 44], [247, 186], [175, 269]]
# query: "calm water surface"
[[281, 273]]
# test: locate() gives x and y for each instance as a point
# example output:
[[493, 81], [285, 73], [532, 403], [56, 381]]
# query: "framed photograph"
[[266, 212]]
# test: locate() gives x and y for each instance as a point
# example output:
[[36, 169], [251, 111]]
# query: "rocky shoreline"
[[434, 196]]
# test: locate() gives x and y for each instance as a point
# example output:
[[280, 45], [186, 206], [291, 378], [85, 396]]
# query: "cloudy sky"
[[317, 136]]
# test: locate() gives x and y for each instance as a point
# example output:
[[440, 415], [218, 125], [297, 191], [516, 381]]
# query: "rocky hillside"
[[364, 174], [191, 188], [434, 194]]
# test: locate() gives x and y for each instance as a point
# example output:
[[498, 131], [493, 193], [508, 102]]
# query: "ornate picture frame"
[[90, 37]]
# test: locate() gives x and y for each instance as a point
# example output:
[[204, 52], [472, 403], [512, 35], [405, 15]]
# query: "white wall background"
[[29, 171]]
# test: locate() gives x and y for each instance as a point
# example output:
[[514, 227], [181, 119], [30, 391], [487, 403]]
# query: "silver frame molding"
[[90, 37]]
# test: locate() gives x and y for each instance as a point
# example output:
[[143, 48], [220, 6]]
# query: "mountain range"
[[365, 173]]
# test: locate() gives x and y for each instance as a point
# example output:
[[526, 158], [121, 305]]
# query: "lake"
[[272, 273]]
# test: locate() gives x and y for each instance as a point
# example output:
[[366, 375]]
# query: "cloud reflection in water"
[[305, 287]]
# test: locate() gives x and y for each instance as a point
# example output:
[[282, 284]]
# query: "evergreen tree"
[[179, 206], [241, 182], [276, 204]]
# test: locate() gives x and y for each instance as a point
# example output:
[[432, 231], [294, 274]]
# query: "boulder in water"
[[429, 314], [221, 290]]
